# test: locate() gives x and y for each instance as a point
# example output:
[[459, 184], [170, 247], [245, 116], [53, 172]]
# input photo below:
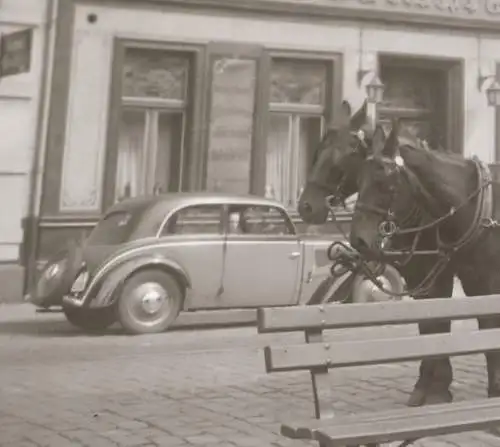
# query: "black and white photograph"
[[250, 223]]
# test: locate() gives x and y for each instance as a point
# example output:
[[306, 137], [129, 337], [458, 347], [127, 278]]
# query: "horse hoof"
[[417, 398], [421, 397]]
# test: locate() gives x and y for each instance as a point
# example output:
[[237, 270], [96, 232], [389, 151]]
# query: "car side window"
[[259, 220], [196, 219]]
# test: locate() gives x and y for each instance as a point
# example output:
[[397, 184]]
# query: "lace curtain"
[[130, 161], [287, 161], [145, 149]]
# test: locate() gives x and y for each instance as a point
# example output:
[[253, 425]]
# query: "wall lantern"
[[493, 94], [493, 90], [375, 90]]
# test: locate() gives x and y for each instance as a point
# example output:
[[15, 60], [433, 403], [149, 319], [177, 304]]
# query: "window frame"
[[150, 142], [192, 119], [292, 231], [454, 103], [161, 231], [330, 112]]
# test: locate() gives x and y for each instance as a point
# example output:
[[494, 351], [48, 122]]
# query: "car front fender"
[[104, 294]]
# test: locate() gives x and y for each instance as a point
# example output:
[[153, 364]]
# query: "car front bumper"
[[72, 301]]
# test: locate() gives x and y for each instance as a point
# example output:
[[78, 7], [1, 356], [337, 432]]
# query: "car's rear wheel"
[[149, 302], [365, 291], [90, 320]]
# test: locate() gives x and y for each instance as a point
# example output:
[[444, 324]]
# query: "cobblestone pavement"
[[59, 387]]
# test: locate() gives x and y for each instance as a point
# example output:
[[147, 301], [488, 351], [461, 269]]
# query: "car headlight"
[[80, 282], [54, 270]]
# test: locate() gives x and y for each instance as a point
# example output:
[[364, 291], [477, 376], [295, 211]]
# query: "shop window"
[[152, 124], [298, 93]]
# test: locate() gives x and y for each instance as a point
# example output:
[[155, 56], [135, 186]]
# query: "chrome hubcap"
[[151, 297], [377, 294], [368, 292]]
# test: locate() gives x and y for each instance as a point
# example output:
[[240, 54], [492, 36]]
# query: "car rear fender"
[[106, 292]]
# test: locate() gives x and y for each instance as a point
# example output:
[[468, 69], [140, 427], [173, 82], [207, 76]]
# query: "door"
[[192, 237], [263, 258]]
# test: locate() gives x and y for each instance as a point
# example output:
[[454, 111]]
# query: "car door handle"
[[294, 255]]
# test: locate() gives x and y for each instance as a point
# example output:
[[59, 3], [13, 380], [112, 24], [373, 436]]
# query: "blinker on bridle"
[[388, 226]]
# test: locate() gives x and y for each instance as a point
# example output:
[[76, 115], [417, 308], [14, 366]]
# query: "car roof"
[[181, 199]]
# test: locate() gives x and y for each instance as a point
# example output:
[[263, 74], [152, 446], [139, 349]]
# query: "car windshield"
[[114, 229]]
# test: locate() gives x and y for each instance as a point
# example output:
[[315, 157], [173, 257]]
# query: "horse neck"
[[448, 179]]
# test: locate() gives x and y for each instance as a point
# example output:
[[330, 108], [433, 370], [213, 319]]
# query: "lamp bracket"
[[361, 75], [481, 79]]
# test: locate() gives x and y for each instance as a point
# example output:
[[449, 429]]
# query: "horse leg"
[[435, 375]]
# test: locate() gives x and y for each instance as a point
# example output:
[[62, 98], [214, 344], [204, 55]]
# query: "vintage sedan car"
[[151, 257]]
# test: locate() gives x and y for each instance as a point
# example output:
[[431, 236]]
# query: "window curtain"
[[302, 154], [130, 155], [289, 144], [278, 157]]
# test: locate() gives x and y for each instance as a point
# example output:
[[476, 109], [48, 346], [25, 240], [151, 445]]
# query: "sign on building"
[[15, 52]]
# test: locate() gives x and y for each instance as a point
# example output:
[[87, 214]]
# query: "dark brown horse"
[[454, 197], [335, 166], [335, 172]]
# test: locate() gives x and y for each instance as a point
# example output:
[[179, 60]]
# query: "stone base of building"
[[11, 283]]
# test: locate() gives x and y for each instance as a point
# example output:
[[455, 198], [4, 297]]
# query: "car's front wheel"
[[149, 302], [90, 320]]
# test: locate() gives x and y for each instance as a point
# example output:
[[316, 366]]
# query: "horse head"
[[335, 166], [382, 198], [401, 184]]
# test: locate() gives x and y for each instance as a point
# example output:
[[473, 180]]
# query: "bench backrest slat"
[[334, 316], [366, 352]]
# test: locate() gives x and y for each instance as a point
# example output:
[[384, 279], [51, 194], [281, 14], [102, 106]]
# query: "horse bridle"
[[339, 195], [391, 227]]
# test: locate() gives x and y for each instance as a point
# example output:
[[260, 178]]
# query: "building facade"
[[21, 103], [232, 95]]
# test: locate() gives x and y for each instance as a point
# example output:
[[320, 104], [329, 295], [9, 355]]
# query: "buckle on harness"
[[488, 222]]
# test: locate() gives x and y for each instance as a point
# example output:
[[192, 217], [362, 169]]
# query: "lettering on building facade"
[[475, 9]]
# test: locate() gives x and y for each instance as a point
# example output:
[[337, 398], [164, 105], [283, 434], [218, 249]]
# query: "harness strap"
[[483, 211]]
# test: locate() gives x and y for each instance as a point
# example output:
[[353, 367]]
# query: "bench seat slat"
[[414, 425], [305, 429], [367, 352], [335, 316]]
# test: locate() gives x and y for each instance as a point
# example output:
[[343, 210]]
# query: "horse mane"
[[448, 176]]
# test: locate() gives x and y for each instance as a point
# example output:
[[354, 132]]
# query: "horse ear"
[[391, 145], [345, 113], [359, 118], [378, 140]]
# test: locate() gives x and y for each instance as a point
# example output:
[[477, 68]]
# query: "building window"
[[298, 95], [153, 120]]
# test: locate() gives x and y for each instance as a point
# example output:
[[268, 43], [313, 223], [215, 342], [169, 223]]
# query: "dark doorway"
[[427, 95]]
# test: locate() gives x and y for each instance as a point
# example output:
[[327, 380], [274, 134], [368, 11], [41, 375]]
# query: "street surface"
[[59, 387]]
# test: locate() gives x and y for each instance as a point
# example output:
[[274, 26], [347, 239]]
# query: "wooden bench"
[[318, 356]]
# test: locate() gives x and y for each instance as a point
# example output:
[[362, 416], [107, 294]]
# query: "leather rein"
[[445, 251]]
